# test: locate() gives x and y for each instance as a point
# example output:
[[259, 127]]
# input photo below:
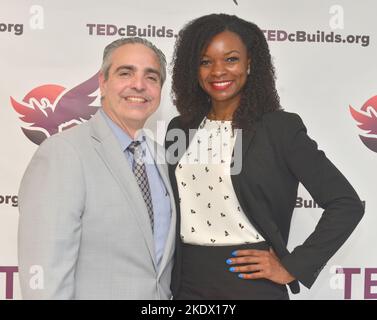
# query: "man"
[[103, 223]]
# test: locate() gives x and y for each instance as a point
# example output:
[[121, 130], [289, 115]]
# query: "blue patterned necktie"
[[138, 168]]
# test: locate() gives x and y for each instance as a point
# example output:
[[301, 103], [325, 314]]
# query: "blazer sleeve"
[[331, 190], [51, 202]]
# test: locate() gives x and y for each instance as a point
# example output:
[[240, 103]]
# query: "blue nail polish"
[[229, 261], [234, 253], [232, 269], [240, 276]]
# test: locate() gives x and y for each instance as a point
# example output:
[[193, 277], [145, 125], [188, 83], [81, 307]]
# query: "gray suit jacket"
[[84, 229]]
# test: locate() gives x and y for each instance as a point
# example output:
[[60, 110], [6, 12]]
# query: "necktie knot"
[[136, 149], [134, 146]]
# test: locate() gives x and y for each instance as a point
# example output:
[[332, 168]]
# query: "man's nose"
[[138, 83]]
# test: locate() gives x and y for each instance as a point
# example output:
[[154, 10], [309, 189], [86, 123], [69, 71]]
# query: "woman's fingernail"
[[240, 276], [229, 261], [232, 269], [234, 253]]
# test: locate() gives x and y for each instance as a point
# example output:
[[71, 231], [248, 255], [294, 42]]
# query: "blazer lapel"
[[241, 151], [257, 215], [109, 150], [242, 144]]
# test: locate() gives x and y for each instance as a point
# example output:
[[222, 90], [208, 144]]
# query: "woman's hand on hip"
[[259, 264]]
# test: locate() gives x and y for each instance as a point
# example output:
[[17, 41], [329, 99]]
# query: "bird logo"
[[51, 108], [367, 121]]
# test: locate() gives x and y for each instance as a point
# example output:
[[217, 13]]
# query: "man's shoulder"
[[75, 132], [74, 136]]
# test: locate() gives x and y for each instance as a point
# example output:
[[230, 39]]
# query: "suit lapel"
[[109, 150], [160, 161]]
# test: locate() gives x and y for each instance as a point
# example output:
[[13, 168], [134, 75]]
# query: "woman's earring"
[[248, 70]]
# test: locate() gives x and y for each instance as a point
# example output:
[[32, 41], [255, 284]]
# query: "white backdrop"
[[59, 43]]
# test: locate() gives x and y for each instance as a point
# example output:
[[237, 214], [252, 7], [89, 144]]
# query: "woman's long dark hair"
[[259, 94]]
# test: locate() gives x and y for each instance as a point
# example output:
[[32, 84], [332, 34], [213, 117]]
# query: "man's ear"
[[102, 83]]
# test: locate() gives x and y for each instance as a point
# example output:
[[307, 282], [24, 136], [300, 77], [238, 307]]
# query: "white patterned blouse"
[[210, 211]]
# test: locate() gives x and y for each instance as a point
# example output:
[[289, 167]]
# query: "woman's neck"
[[218, 112]]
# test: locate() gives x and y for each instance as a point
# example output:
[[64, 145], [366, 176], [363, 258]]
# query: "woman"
[[236, 179]]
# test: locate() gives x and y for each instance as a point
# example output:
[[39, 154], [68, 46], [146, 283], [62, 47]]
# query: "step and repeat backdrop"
[[325, 58]]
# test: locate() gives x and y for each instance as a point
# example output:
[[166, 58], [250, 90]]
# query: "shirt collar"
[[123, 138]]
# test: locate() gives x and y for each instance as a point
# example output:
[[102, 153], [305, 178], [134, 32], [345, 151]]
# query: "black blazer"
[[276, 156]]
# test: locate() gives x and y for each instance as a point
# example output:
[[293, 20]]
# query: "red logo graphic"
[[50, 108], [367, 121]]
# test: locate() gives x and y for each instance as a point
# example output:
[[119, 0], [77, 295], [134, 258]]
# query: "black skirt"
[[205, 275]]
